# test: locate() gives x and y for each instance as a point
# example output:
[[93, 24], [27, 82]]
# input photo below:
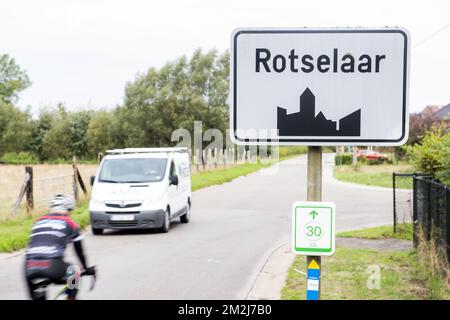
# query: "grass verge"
[[205, 179], [374, 175], [14, 233], [346, 275], [404, 232]]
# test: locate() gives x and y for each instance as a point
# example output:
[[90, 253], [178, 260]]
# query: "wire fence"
[[45, 188], [402, 186], [28, 192]]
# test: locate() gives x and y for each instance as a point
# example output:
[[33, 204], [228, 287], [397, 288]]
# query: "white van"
[[141, 188]]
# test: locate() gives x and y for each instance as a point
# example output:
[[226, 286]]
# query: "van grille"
[[123, 223], [123, 206], [122, 212]]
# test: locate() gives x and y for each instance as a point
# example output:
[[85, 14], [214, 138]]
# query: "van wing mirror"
[[174, 180], [92, 180]]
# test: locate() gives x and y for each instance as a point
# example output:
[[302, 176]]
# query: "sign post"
[[314, 193], [318, 87]]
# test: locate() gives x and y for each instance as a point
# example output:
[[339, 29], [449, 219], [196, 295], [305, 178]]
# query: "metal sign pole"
[[314, 193]]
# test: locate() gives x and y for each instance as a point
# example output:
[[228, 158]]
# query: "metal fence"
[[431, 213], [402, 187]]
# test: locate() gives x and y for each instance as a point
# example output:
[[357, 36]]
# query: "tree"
[[39, 128], [100, 133], [160, 101], [432, 155], [78, 126], [56, 142], [419, 124], [12, 79], [15, 130]]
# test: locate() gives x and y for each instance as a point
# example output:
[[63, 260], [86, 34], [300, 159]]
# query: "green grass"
[[404, 232], [285, 152], [345, 276], [380, 176], [205, 179], [14, 233]]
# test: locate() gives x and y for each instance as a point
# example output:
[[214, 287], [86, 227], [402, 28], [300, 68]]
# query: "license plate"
[[122, 217]]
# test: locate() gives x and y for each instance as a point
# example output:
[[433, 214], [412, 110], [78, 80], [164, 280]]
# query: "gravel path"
[[377, 244]]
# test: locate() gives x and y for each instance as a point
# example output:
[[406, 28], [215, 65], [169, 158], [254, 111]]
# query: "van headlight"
[[96, 202], [154, 199]]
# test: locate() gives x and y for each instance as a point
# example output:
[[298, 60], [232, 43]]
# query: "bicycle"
[[42, 283]]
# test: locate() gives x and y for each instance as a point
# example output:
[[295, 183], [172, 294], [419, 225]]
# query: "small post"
[[203, 159], [428, 211], [447, 220], [393, 197], [29, 189], [314, 193], [80, 179], [75, 182], [415, 215], [354, 159]]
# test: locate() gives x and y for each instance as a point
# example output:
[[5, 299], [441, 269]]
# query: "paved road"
[[234, 228]]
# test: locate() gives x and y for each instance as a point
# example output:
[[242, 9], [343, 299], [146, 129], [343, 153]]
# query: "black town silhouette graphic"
[[306, 123]]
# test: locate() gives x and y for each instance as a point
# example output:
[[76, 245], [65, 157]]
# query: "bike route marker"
[[313, 235], [313, 228], [313, 281]]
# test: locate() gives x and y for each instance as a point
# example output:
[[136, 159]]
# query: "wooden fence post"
[[75, 182], [80, 179], [29, 189]]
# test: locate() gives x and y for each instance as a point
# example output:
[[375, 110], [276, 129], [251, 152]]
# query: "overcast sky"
[[83, 52]]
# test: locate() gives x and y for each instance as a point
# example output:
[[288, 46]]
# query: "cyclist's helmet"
[[61, 202]]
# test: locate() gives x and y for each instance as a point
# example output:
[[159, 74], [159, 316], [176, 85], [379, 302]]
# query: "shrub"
[[289, 151], [343, 159], [19, 158], [432, 156], [374, 162]]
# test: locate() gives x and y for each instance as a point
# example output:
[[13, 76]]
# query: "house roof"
[[443, 113]]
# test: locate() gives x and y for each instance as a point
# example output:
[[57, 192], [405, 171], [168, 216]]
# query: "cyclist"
[[45, 252]]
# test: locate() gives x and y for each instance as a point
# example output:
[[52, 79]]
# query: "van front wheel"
[[187, 216], [96, 231], [166, 222]]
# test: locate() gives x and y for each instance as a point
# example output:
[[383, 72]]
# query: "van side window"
[[172, 169]]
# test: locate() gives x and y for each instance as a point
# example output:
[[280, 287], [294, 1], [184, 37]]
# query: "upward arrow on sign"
[[313, 214]]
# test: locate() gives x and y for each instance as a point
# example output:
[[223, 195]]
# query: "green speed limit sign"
[[313, 225], [313, 231]]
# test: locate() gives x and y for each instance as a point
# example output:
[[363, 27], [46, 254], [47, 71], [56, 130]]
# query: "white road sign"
[[313, 228], [319, 86]]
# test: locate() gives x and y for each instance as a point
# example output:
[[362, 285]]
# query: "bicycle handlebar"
[[94, 277]]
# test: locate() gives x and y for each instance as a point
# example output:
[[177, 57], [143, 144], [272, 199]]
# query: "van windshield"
[[133, 170]]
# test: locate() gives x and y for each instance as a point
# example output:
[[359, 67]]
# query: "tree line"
[[156, 103]]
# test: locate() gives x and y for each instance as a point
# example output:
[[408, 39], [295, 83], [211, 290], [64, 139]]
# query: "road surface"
[[233, 230]]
